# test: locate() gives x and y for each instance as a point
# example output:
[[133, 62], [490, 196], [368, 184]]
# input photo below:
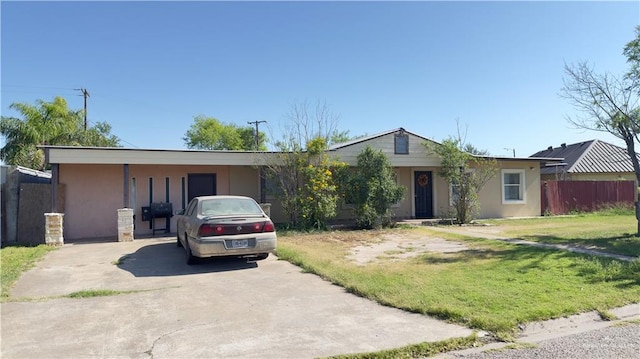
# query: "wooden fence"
[[562, 197]]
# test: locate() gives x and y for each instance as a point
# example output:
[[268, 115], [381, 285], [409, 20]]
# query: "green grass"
[[600, 231], [417, 350], [493, 286], [606, 315], [15, 260], [91, 293]]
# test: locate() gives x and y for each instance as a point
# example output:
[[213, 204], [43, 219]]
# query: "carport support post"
[[125, 186], [53, 229], [54, 186], [125, 225]]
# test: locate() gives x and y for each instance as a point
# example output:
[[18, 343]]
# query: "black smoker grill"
[[158, 210]]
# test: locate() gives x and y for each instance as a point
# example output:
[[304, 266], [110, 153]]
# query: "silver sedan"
[[215, 226]]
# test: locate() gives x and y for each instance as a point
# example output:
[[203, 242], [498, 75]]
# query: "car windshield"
[[229, 207]]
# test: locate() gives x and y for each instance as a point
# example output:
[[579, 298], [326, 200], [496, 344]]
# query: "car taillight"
[[208, 230], [268, 227]]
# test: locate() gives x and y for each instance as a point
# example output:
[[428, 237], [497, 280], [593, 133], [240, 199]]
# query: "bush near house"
[[373, 190]]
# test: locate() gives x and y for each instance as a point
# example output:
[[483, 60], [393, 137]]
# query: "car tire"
[[178, 243], [191, 259], [262, 256]]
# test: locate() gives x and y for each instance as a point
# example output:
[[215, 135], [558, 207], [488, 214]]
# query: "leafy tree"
[[466, 172], [303, 174], [609, 103], [373, 190], [248, 137], [339, 137], [319, 195], [632, 52], [207, 133], [48, 123]]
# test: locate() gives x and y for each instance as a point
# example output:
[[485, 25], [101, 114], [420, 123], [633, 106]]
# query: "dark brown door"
[[423, 194], [201, 184]]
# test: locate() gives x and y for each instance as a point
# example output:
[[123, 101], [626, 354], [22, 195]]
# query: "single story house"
[[592, 160], [99, 181]]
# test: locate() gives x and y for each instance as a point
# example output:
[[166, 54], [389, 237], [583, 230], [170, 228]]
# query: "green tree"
[[632, 52], [467, 174], [319, 195], [373, 190], [608, 103], [207, 133], [248, 137], [48, 123], [302, 175]]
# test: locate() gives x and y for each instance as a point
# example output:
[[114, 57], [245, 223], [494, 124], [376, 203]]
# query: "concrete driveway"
[[216, 309]]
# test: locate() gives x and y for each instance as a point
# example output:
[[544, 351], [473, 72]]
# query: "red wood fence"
[[562, 197]]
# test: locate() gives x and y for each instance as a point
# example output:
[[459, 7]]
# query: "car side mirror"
[[180, 212]]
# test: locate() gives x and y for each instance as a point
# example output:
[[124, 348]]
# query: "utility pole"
[[257, 133], [85, 93], [513, 149]]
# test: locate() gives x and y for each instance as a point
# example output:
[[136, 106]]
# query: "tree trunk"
[[636, 168]]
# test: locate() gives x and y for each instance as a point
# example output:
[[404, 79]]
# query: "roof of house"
[[336, 146], [592, 156], [120, 155]]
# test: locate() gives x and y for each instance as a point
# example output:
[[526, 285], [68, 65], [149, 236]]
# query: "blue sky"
[[150, 67]]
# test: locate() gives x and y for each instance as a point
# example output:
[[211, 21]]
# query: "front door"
[[423, 185], [201, 184]]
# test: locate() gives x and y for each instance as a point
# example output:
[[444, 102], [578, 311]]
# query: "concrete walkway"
[[476, 232]]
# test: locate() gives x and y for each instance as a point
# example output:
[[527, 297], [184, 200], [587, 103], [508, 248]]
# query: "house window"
[[513, 186], [401, 144], [272, 186], [454, 188]]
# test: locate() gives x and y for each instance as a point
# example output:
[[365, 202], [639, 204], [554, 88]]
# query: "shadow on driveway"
[[166, 259]]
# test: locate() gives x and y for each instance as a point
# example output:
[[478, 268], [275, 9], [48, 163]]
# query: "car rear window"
[[229, 206]]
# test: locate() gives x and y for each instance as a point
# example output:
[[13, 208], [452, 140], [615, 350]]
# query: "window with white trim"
[[513, 185]]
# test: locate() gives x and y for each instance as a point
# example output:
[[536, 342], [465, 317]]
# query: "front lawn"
[[14, 261], [609, 233], [492, 285]]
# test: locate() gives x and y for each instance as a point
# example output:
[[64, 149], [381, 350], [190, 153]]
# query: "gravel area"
[[617, 341]]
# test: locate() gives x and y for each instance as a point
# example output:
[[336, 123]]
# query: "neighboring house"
[[593, 160], [98, 181], [25, 197]]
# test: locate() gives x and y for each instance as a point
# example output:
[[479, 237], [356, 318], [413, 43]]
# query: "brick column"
[[53, 229], [125, 225]]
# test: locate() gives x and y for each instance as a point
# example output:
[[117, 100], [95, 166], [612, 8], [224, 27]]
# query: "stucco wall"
[[95, 193], [491, 195]]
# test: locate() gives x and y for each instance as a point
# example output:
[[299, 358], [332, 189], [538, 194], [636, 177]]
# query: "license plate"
[[240, 243]]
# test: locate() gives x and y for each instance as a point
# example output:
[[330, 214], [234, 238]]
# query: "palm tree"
[[47, 123]]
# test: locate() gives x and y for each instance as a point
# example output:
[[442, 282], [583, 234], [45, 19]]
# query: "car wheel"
[[262, 256], [191, 259], [178, 243]]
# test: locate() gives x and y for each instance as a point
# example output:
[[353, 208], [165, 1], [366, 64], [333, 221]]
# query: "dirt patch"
[[402, 246]]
